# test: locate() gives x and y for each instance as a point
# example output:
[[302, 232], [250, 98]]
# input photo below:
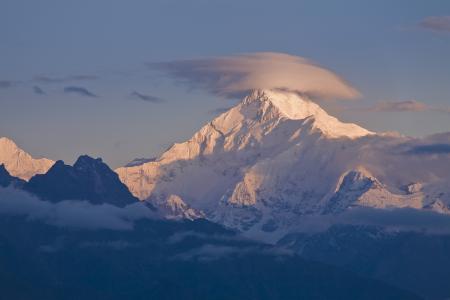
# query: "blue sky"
[[73, 78]]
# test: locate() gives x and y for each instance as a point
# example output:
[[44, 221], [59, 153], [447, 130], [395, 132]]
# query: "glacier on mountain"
[[277, 156]]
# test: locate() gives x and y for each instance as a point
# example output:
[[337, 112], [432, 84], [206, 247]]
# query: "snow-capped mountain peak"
[[19, 163], [270, 106], [263, 125], [288, 105], [277, 156], [263, 119]]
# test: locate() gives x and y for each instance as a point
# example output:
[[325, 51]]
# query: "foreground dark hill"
[[7, 180], [163, 260], [415, 261], [88, 179], [88, 249]]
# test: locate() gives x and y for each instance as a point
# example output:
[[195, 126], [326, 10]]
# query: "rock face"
[[276, 157], [19, 163], [88, 179]]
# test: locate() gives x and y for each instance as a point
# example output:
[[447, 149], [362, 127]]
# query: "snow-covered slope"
[[19, 163], [275, 157]]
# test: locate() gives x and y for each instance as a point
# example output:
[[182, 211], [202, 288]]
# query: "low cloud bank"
[[395, 219], [72, 213], [210, 252], [84, 215]]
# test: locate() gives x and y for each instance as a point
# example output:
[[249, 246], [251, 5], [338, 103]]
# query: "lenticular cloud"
[[231, 76]]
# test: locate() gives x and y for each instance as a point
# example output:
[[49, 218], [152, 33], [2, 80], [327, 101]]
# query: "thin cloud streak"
[[81, 91], [408, 105], [405, 106], [436, 23], [70, 78], [232, 76], [146, 98]]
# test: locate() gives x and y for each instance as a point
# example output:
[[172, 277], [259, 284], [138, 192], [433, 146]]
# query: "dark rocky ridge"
[[88, 179], [7, 180]]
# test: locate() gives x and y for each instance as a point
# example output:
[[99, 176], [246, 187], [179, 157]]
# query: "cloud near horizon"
[[84, 215], [390, 219], [72, 213], [232, 76], [405, 106], [436, 23], [79, 91]]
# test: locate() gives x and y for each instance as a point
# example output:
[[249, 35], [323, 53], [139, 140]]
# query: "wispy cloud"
[[395, 219], [70, 78], [408, 105], [4, 84], [399, 219], [429, 145], [232, 76], [38, 91], [146, 98], [436, 23], [79, 91], [210, 252], [73, 213], [405, 106], [430, 149]]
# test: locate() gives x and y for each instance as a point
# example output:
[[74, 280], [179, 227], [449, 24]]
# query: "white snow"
[[19, 163]]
